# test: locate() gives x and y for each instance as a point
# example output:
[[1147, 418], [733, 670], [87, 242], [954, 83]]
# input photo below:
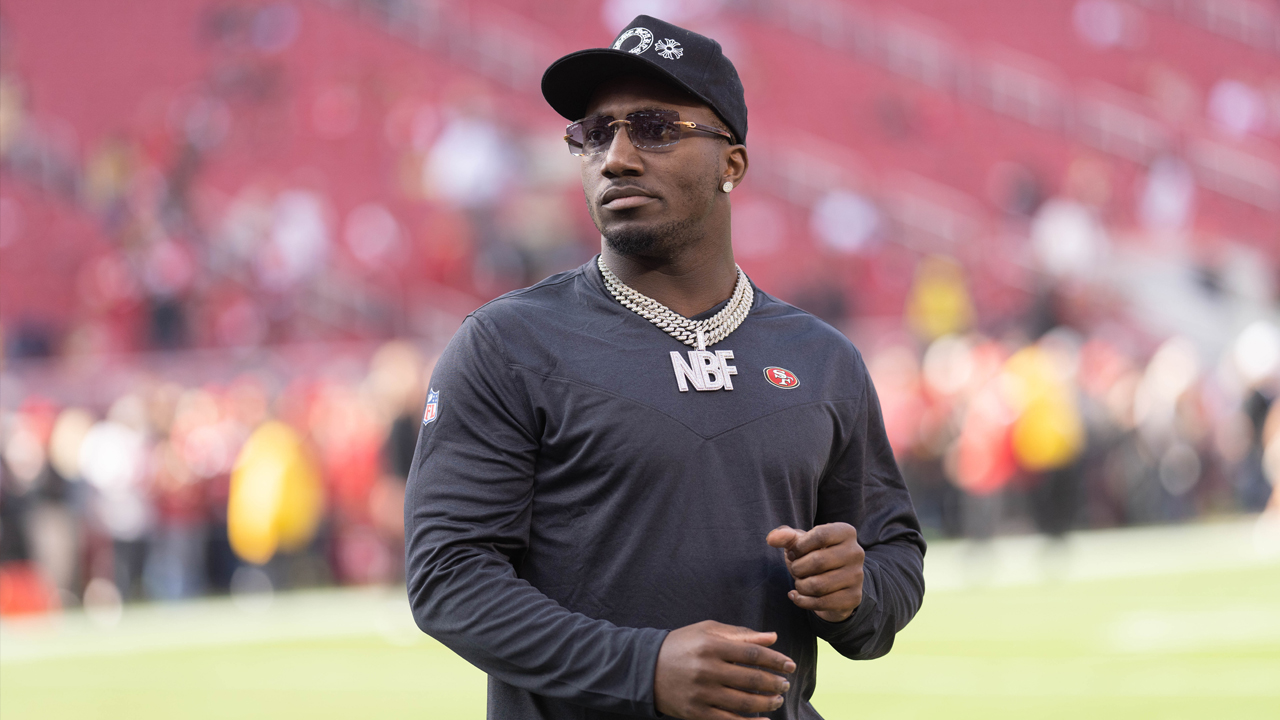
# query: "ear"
[[733, 164]]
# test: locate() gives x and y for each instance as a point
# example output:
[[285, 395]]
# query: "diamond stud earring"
[[727, 186]]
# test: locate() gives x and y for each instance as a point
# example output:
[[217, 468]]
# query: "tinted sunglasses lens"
[[653, 130], [596, 134], [573, 138], [589, 136]]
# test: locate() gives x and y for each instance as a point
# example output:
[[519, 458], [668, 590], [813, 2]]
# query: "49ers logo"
[[781, 377]]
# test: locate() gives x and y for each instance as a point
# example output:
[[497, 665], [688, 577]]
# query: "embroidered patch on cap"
[[646, 39], [781, 377], [669, 49], [433, 407]]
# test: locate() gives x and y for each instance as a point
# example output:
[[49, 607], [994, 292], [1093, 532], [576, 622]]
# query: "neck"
[[694, 281]]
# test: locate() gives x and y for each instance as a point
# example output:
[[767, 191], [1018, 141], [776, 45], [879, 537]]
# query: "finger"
[[823, 536], [782, 536], [827, 559], [737, 633], [752, 680], [829, 582], [717, 713], [736, 703], [756, 656], [840, 600]]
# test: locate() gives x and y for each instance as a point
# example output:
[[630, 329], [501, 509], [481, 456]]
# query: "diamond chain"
[[694, 333]]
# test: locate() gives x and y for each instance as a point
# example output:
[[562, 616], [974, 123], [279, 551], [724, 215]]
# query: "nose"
[[622, 157]]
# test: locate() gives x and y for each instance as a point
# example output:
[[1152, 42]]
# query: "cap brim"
[[571, 81]]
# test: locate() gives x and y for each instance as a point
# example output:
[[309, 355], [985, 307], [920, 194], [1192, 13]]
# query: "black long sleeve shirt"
[[568, 505]]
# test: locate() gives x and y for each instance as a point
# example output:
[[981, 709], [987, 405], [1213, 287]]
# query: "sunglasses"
[[648, 130]]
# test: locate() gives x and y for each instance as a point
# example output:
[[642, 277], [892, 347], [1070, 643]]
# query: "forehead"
[[629, 93]]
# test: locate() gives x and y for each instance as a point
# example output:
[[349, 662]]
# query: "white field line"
[[949, 566]]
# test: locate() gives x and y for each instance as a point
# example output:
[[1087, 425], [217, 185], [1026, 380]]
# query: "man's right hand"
[[719, 672]]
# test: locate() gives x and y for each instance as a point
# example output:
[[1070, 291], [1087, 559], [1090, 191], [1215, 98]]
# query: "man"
[[644, 487]]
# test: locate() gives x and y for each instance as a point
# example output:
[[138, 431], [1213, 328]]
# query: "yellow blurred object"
[[12, 110], [1049, 432], [939, 302], [276, 498]]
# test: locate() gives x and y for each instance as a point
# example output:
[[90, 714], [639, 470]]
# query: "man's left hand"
[[826, 563]]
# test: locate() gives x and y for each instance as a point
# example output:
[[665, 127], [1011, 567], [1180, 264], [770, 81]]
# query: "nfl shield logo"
[[433, 406]]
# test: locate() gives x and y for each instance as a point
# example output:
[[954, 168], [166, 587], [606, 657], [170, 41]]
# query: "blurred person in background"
[[43, 491], [114, 459], [1048, 438], [34, 527], [275, 505], [396, 377], [175, 564], [470, 166], [978, 460], [576, 516]]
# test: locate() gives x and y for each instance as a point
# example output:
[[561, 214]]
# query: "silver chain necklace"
[[705, 370]]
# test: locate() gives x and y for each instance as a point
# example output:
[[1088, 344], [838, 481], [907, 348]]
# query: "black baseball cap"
[[654, 48]]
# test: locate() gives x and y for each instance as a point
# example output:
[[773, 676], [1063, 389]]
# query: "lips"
[[624, 198]]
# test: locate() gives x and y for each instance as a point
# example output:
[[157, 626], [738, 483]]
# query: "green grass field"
[[1172, 623]]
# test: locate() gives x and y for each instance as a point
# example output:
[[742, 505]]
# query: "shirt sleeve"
[[467, 517], [864, 488]]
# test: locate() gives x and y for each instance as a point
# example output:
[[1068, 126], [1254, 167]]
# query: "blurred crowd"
[[1071, 431], [174, 491]]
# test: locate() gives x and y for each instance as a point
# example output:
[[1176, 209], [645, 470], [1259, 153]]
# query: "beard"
[[654, 241]]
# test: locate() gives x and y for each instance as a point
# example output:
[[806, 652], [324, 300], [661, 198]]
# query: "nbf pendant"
[[705, 370]]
